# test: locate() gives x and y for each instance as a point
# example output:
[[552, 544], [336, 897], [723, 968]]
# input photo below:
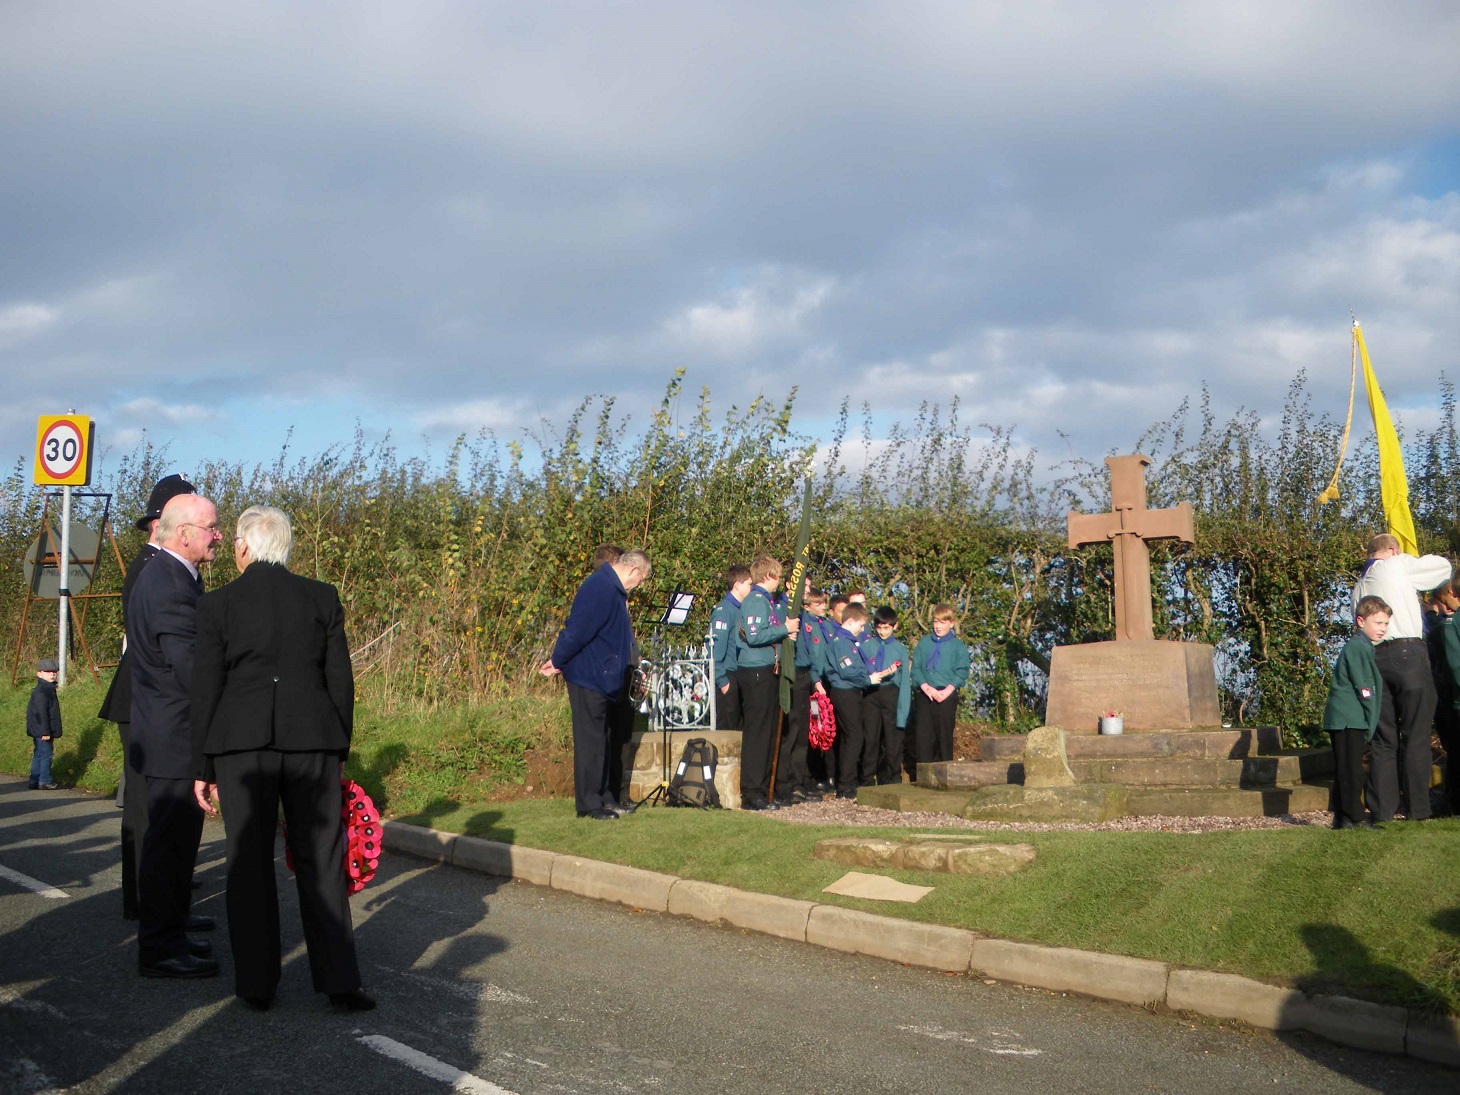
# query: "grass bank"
[[1369, 914]]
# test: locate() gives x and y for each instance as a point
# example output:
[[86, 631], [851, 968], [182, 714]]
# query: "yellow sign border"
[[82, 475]]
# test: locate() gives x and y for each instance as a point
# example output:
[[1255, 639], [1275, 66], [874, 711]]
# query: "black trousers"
[[134, 826], [791, 772], [851, 737], [1348, 783], [727, 706], [1399, 754], [621, 717], [590, 748], [884, 739], [1447, 725], [933, 728], [251, 788], [759, 710], [165, 876]]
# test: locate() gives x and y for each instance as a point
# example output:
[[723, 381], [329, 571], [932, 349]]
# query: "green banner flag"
[[796, 584]]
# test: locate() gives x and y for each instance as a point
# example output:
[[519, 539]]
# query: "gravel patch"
[[834, 811]]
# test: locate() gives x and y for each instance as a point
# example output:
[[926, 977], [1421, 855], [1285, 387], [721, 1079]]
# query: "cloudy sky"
[[218, 222]]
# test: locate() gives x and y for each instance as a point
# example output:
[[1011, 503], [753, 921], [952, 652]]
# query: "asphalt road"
[[492, 986]]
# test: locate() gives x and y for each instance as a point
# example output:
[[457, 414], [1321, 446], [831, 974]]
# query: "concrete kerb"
[[1103, 976]]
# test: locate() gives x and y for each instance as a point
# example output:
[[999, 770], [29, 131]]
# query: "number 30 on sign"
[[63, 444]]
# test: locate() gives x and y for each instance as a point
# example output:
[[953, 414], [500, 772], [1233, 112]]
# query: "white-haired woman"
[[273, 706]]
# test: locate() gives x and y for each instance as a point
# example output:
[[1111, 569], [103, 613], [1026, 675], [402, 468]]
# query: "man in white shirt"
[[1407, 712]]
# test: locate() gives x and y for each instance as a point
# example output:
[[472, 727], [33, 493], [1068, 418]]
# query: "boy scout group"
[[864, 672]]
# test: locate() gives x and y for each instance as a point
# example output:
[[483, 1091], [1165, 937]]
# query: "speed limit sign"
[[63, 444]]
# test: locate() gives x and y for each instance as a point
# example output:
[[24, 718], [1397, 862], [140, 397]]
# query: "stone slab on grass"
[[414, 840], [903, 941], [941, 854], [1227, 996], [877, 887], [612, 882], [783, 917], [990, 860], [856, 851], [504, 860], [1108, 976]]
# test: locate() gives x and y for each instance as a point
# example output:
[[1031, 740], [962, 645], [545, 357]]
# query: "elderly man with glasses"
[[161, 630], [593, 653]]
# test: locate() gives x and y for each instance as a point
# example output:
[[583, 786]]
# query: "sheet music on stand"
[[676, 612]]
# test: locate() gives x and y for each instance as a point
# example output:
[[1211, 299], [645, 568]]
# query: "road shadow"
[[1342, 961], [74, 1012], [69, 767]]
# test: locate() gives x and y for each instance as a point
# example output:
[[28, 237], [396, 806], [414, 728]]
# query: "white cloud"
[[151, 413], [24, 320]]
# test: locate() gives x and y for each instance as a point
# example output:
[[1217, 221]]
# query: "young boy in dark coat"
[[43, 724], [1352, 713]]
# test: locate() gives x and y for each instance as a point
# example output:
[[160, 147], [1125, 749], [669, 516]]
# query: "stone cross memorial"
[[1128, 527], [1154, 683]]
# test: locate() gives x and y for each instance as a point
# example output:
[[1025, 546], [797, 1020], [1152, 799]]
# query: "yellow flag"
[[1393, 486]]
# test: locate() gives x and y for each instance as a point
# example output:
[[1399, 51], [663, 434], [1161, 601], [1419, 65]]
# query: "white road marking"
[[467, 990], [428, 1066], [999, 1042], [33, 884]]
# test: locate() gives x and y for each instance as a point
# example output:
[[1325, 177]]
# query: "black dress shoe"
[[182, 966], [357, 1000], [599, 814], [198, 923], [258, 1003], [200, 948]]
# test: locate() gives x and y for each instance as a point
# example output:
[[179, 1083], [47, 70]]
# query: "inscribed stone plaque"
[[1154, 684]]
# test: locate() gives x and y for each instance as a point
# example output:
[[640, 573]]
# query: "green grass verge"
[[1369, 914]]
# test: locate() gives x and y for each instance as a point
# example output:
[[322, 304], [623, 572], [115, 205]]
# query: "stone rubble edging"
[[1113, 977]]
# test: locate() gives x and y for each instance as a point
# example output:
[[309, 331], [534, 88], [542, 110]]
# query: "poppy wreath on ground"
[[362, 836], [823, 724]]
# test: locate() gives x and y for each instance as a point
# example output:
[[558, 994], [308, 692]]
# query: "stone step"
[[1095, 803], [1228, 802], [1286, 769], [968, 775], [1198, 744]]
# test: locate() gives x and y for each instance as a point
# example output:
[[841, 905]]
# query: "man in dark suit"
[[161, 628], [117, 707], [273, 709]]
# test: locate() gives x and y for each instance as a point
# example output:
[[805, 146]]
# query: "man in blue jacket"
[[593, 653]]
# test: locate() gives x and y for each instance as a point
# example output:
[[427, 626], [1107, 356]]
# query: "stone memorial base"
[[644, 754], [1153, 683], [1051, 776]]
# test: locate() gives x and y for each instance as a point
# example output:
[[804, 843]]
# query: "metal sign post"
[[63, 448]]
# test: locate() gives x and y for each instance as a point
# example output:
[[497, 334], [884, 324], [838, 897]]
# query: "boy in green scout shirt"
[[761, 626], [723, 622], [1353, 710]]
